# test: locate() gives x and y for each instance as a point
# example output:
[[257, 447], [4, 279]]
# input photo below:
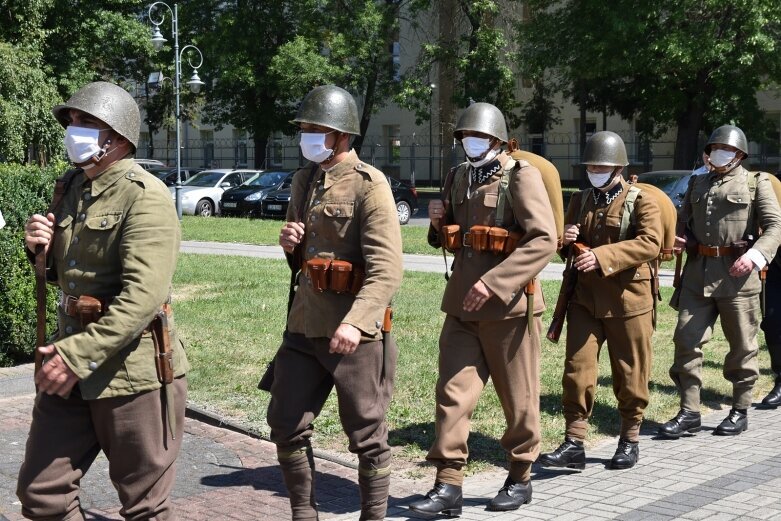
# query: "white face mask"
[[599, 180], [81, 143], [719, 157], [313, 146], [475, 146]]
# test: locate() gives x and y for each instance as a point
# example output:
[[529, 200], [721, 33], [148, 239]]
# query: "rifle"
[[569, 281]]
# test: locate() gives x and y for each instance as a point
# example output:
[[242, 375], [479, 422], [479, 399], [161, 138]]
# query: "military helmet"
[[109, 103], [484, 118], [728, 135], [605, 148], [330, 106]]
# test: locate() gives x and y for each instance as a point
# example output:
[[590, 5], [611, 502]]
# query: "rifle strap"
[[447, 194], [296, 259]]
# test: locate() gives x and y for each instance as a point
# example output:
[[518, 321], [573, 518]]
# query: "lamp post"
[[157, 78], [430, 133]]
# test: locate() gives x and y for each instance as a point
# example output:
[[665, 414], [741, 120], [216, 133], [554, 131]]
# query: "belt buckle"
[[466, 241], [67, 303], [717, 250]]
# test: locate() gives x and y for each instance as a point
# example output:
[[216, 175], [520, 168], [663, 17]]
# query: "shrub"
[[24, 190]]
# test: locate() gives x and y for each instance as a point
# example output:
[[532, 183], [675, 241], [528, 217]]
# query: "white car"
[[201, 193]]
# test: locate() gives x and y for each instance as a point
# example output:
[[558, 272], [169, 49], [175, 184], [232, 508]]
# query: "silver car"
[[201, 193]]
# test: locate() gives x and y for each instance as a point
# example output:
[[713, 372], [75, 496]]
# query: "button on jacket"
[[622, 285], [116, 238], [505, 275], [718, 211], [350, 216]]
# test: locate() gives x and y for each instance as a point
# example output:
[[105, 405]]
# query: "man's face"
[[720, 146], [331, 137], [78, 118]]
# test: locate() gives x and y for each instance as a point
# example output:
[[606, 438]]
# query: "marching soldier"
[[718, 224], [497, 219], [613, 233], [771, 325], [344, 231], [111, 239]]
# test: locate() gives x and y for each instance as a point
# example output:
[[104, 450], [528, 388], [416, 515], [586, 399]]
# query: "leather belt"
[[356, 278], [68, 304], [720, 251]]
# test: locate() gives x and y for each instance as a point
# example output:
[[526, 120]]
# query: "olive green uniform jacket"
[[116, 237], [351, 216]]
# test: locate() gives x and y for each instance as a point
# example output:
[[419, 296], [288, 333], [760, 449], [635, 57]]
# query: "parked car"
[[168, 174], [147, 163], [201, 193], [247, 198], [671, 182], [406, 197]]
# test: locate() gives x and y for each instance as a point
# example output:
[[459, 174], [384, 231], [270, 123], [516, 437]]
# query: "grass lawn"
[[230, 312]]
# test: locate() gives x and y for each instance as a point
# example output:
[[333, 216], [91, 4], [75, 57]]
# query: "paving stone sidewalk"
[[225, 475]]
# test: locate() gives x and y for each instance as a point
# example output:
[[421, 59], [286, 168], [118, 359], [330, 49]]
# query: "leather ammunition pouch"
[[86, 308], [494, 239], [338, 276], [579, 248]]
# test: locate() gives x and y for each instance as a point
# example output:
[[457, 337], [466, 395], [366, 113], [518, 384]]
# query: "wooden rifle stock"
[[568, 282], [678, 267], [40, 300]]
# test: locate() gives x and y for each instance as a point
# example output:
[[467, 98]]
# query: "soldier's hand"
[[680, 244], [436, 211], [39, 230], [291, 235], [742, 266], [55, 377], [477, 296], [571, 232], [586, 262], [345, 339]]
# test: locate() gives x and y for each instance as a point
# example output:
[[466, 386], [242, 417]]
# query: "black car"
[[246, 199], [168, 174], [276, 201]]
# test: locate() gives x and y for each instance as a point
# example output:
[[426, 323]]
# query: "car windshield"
[[267, 179], [204, 179], [661, 180]]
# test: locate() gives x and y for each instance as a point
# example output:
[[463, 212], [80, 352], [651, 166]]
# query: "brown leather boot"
[[374, 484], [298, 472]]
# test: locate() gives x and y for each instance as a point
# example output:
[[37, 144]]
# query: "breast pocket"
[[338, 217], [100, 232], [736, 207], [612, 228]]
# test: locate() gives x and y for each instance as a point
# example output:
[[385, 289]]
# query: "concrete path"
[[227, 475]]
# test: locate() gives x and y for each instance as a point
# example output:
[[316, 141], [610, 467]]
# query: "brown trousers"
[[304, 374], [67, 435], [470, 352], [629, 347]]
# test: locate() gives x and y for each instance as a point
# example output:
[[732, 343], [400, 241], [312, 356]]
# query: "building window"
[[276, 150], [591, 128], [143, 145], [239, 148], [392, 138], [396, 60], [537, 145], [207, 144]]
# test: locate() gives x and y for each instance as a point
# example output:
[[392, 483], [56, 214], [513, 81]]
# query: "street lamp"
[[431, 133], [156, 78]]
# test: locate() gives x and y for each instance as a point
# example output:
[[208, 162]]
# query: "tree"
[[688, 64]]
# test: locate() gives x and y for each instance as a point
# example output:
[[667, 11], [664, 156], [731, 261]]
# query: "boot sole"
[[448, 512], [676, 436], [729, 433], [495, 509], [571, 466]]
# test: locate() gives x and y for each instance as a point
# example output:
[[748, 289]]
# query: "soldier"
[[613, 300], [111, 242], [771, 325], [718, 224], [486, 332], [341, 217]]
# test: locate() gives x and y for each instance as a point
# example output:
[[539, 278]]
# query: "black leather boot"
[[685, 421], [511, 496], [735, 423], [627, 454], [570, 454], [443, 499], [773, 398]]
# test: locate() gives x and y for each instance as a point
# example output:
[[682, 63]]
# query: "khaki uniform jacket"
[[507, 276], [717, 211], [350, 216], [622, 287], [117, 238]]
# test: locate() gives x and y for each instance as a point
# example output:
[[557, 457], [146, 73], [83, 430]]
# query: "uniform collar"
[[344, 166], [723, 178], [611, 194], [111, 175]]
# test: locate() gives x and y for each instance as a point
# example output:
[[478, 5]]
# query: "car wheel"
[[404, 211], [204, 208]]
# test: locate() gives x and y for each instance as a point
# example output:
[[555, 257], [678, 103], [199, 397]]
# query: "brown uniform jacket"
[[717, 211], [117, 238], [350, 216], [622, 285], [507, 275]]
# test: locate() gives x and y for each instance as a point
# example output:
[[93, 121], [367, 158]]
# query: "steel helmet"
[[330, 106], [109, 103], [605, 148], [728, 135], [484, 118]]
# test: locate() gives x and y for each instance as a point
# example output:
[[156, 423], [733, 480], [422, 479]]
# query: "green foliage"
[[24, 190]]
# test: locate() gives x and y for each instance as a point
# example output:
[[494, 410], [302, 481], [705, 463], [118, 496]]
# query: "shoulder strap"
[[584, 195], [505, 196], [628, 215], [61, 185]]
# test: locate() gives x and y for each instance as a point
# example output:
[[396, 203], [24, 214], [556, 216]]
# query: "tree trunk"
[[583, 182], [260, 143], [366, 115], [687, 153]]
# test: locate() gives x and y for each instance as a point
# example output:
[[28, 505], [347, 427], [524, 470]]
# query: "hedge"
[[24, 190]]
